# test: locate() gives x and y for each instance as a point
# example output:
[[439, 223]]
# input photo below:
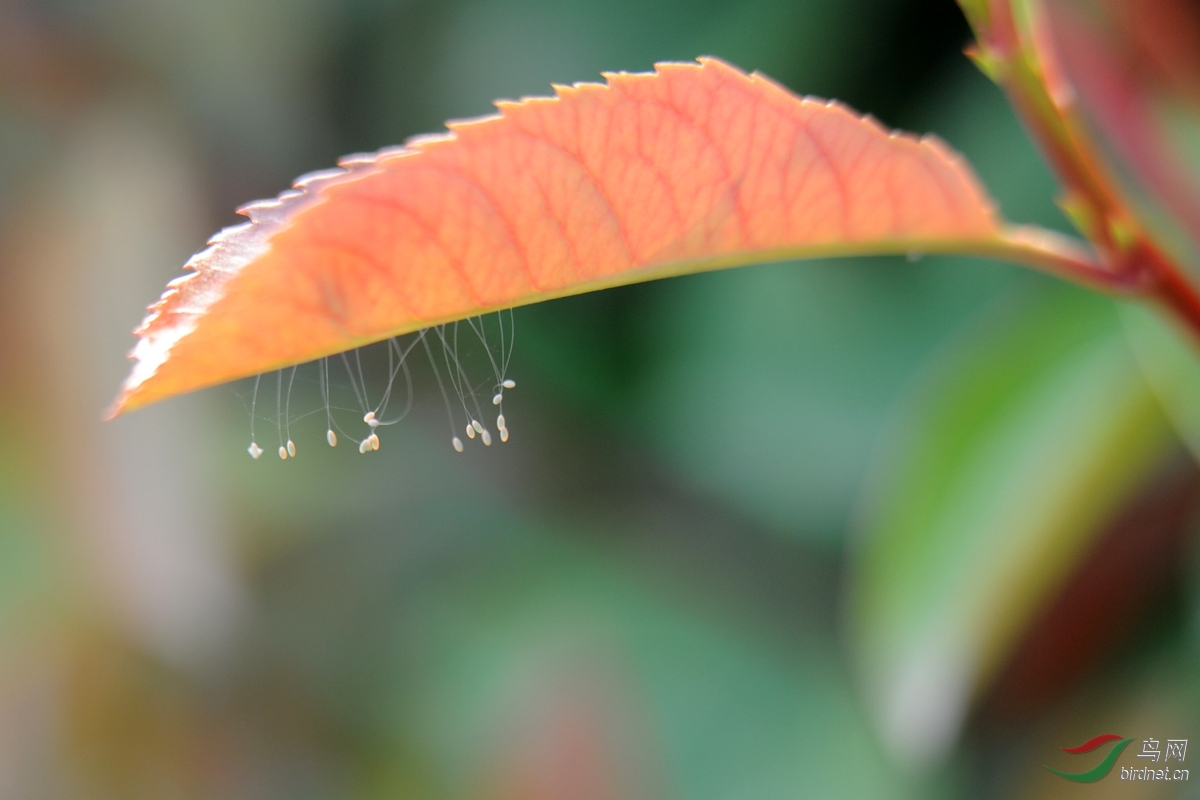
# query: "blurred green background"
[[861, 529]]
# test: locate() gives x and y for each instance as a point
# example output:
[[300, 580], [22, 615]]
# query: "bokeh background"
[[856, 529]]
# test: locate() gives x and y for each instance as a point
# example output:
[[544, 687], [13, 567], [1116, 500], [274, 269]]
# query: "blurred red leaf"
[[1131, 61]]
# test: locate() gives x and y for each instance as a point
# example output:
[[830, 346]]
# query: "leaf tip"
[[126, 399]]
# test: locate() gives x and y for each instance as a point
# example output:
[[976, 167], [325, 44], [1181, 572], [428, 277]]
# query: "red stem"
[[1131, 264], [1171, 289]]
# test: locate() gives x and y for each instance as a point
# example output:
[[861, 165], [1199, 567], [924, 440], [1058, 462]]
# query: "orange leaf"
[[693, 167]]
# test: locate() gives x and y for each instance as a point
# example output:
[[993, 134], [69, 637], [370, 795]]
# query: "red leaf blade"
[[693, 167]]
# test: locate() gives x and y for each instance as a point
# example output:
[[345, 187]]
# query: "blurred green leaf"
[[1170, 361], [1003, 465]]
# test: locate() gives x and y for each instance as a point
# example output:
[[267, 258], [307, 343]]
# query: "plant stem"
[[1172, 289], [1017, 53], [1067, 258]]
